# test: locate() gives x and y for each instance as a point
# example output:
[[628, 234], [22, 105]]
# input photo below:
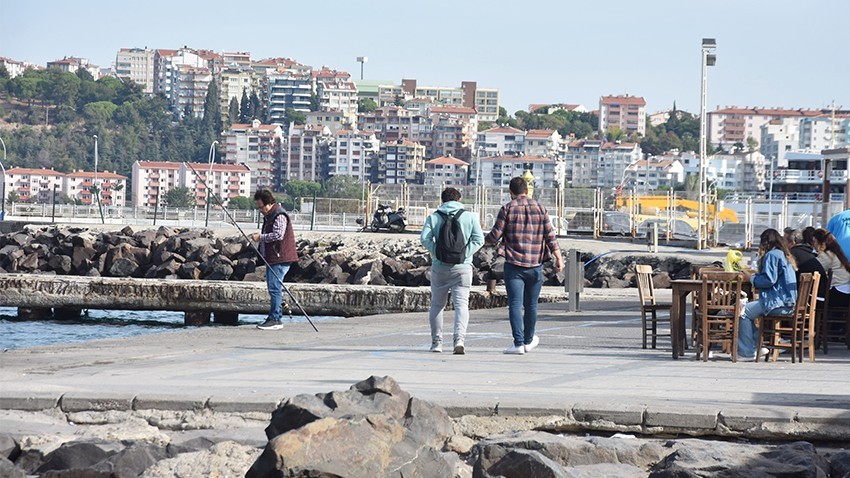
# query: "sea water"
[[97, 324]]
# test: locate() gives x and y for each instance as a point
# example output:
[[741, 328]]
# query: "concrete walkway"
[[589, 367]]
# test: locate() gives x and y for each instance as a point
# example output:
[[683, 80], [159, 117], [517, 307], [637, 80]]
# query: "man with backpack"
[[452, 236]]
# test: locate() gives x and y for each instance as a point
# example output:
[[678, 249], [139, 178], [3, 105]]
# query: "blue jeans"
[[523, 286], [275, 285], [748, 333]]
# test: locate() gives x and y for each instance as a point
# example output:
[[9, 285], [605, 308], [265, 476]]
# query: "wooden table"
[[681, 289]]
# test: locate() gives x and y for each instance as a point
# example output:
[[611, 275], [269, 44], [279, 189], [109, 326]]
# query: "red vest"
[[279, 252]]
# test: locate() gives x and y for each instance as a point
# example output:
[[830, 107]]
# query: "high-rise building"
[[257, 146], [484, 100], [166, 68], [352, 153], [500, 141], [582, 160], [190, 86], [628, 113], [733, 125], [338, 96], [454, 130], [136, 64], [391, 123], [400, 162], [446, 171], [305, 154], [285, 91], [235, 80]]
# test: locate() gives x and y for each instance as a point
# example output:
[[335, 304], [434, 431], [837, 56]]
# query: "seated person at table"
[[776, 283], [833, 259], [806, 259]]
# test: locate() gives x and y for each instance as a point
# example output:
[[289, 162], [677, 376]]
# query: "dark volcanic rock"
[[122, 267], [73, 455], [9, 447], [9, 470], [131, 461]]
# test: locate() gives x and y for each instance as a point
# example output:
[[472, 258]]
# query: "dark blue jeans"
[[275, 285], [523, 286]]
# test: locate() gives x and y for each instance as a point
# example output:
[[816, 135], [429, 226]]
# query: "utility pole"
[[362, 60], [3, 168], [708, 59]]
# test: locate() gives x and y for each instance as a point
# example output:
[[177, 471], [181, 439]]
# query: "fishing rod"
[[251, 243]]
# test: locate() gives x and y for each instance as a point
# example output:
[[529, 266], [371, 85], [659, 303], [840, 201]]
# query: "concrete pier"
[[222, 298]]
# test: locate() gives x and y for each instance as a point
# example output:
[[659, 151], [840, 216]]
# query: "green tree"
[[233, 111], [60, 88], [245, 115], [24, 87], [256, 107], [13, 197], [366, 105], [343, 186], [752, 144], [314, 101], [293, 116], [301, 189], [212, 111], [179, 197], [241, 202], [99, 113], [615, 134]]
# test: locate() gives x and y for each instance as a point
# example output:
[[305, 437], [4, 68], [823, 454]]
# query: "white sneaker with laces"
[[535, 341], [459, 348], [437, 347], [515, 350]]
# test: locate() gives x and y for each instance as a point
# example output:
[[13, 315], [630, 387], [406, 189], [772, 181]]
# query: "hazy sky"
[[770, 52]]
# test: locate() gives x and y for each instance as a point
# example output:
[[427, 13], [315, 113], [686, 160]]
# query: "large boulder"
[[131, 461], [374, 430], [123, 267], [9, 470], [73, 455], [9, 447], [225, 459]]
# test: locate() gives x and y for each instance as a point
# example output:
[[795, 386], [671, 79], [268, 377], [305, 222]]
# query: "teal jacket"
[[468, 224]]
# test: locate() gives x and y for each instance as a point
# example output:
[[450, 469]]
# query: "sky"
[[781, 53]]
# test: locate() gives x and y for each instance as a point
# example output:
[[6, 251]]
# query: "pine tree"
[[212, 110], [233, 111], [256, 109], [245, 108]]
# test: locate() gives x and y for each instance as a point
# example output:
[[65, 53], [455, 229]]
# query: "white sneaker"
[[535, 341], [459, 348], [746, 359], [437, 347], [515, 350]]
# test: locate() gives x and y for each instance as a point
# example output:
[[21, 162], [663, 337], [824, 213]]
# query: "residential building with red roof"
[[399, 162], [542, 142], [305, 154], [454, 130], [258, 146], [167, 65], [70, 64], [112, 187], [13, 67], [731, 125], [485, 101], [497, 171], [136, 64], [446, 171], [626, 112], [338, 95], [500, 141], [33, 185], [153, 179], [352, 153], [647, 175], [189, 91]]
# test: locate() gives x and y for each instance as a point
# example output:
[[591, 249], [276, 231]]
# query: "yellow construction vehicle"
[[653, 207]]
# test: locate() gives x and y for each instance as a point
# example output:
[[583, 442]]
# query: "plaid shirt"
[[526, 232]]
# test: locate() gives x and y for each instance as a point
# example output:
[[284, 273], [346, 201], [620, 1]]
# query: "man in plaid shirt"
[[527, 239]]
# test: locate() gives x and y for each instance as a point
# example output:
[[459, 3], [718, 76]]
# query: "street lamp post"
[[211, 158], [3, 214], [708, 59], [770, 192], [94, 187], [362, 60]]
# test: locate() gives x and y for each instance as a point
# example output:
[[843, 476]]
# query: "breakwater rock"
[[171, 253]]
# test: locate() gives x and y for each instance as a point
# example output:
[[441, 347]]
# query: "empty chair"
[[648, 306], [778, 332], [833, 322], [718, 312]]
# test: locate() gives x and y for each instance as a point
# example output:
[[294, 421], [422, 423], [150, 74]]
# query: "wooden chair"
[[648, 306], [786, 331], [808, 331], [697, 273], [719, 311], [831, 320]]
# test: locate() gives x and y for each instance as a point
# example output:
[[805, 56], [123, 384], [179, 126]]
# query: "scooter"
[[385, 218]]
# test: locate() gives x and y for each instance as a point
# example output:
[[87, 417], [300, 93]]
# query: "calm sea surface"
[[97, 324]]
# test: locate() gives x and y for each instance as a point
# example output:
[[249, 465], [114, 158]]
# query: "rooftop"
[[623, 100], [448, 160]]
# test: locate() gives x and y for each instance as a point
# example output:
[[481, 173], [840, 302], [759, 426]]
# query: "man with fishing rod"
[[277, 246]]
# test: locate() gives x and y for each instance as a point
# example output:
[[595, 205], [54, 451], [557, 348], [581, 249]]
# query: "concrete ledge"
[[622, 415], [689, 419], [158, 402], [80, 402], [248, 405], [29, 403]]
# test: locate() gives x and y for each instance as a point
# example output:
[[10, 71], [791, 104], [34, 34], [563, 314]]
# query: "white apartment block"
[[328, 75], [351, 153], [166, 68], [257, 146], [614, 158], [112, 187], [33, 185], [822, 132], [190, 90], [136, 64], [400, 162], [728, 126], [70, 64], [647, 175], [305, 154], [446, 171], [779, 136], [581, 160], [338, 96], [237, 59], [501, 141], [542, 142], [226, 181], [484, 100], [625, 112], [152, 179], [454, 130], [284, 91], [333, 120], [391, 123], [13, 67], [234, 80], [497, 171]]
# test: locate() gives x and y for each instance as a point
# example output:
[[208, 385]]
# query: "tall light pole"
[[362, 60], [708, 59], [94, 187], [3, 214], [211, 158]]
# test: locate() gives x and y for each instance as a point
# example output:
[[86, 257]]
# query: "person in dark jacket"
[[807, 259], [277, 245]]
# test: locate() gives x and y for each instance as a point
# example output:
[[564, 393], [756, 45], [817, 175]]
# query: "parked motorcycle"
[[385, 218]]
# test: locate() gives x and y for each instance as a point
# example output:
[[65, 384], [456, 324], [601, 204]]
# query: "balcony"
[[805, 176]]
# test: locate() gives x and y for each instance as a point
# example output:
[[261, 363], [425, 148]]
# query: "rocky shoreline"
[[375, 429], [170, 253]]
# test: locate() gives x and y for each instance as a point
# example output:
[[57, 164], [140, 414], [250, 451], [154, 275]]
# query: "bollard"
[[573, 279], [226, 318]]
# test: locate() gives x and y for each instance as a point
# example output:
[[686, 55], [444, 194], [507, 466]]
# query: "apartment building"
[[779, 136], [33, 185], [136, 64], [625, 112], [731, 125], [13, 67], [803, 178], [236, 79], [542, 142], [581, 158], [112, 187], [190, 86], [257, 146], [333, 120], [648, 175], [166, 67], [446, 171], [153, 179], [454, 130], [238, 59], [399, 162], [501, 141], [305, 154], [328, 75], [225, 181], [497, 171], [484, 100], [280, 66], [339, 96], [70, 64], [823, 132], [352, 153], [614, 158], [391, 123], [284, 91], [549, 108]]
